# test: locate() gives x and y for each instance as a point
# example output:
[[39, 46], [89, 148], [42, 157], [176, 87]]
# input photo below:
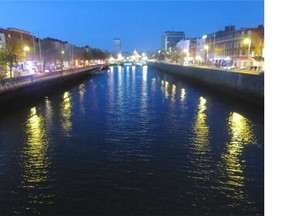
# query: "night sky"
[[139, 24]]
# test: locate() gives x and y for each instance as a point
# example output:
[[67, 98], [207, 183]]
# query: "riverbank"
[[33, 86], [247, 87]]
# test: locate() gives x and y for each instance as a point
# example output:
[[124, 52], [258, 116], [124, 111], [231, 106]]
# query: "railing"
[[20, 81]]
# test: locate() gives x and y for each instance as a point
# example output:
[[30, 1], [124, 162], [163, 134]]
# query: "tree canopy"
[[11, 54]]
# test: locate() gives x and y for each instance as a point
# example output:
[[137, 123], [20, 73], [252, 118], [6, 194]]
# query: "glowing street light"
[[62, 53], [26, 49], [248, 41]]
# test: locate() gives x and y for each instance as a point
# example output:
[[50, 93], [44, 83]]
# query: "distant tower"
[[117, 46]]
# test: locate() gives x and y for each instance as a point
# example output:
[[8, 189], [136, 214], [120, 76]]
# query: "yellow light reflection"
[[81, 94], [201, 129], [36, 161], [173, 94], [162, 86], [66, 113], [166, 87], [183, 95], [241, 134], [200, 143]]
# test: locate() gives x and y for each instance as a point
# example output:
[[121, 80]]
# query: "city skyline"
[[139, 24]]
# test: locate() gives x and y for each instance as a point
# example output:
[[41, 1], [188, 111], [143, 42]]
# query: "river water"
[[133, 141]]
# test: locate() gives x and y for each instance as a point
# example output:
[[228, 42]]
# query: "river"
[[133, 141]]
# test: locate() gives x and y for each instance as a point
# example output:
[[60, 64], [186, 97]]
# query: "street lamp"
[[26, 49], [62, 53], [248, 41], [206, 47]]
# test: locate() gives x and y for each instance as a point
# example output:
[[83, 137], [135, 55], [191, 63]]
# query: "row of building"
[[41, 54], [35, 50], [240, 48]]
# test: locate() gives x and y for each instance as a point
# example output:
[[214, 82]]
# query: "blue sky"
[[139, 24]]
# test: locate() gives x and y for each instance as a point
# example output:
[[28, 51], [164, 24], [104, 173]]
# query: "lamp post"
[[62, 53], [206, 47], [26, 49], [248, 41]]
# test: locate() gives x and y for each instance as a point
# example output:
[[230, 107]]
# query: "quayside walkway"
[[11, 84]]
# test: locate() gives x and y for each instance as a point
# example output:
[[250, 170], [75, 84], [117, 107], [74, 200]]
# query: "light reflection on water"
[[242, 134], [66, 114], [200, 146], [173, 94], [183, 95], [141, 141], [81, 97], [36, 160], [201, 129]]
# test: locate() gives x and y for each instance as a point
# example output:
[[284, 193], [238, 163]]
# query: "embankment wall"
[[247, 87]]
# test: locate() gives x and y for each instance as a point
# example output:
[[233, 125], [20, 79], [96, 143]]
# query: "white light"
[[119, 56]]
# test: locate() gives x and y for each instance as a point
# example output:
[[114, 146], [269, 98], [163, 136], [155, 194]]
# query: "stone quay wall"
[[248, 87], [12, 89]]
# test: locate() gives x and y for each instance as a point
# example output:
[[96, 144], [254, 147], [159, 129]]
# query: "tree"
[[92, 53], [11, 54]]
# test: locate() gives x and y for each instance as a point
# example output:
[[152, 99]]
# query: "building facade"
[[30, 46], [238, 47], [233, 47], [2, 40], [169, 39], [30, 43], [117, 46]]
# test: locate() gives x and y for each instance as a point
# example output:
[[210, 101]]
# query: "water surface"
[[136, 142]]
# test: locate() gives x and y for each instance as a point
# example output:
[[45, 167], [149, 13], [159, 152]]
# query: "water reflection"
[[66, 114], [165, 88], [153, 85], [81, 90], [173, 94], [144, 73], [200, 143], [48, 111], [183, 95], [241, 133], [201, 129], [36, 160], [144, 91]]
